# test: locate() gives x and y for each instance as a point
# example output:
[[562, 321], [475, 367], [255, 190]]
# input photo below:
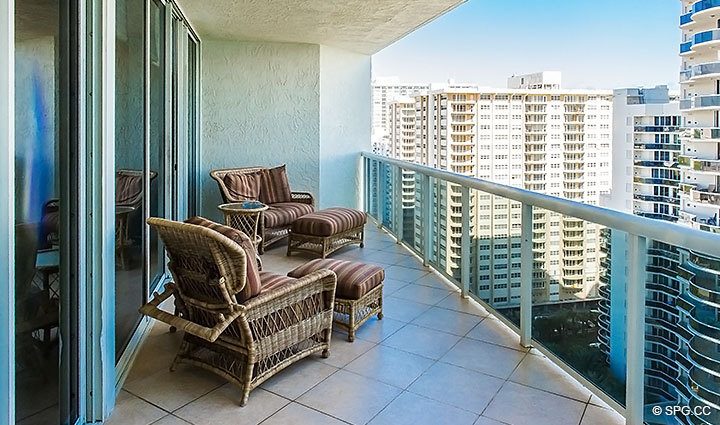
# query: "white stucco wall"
[[269, 103], [345, 124], [260, 106]]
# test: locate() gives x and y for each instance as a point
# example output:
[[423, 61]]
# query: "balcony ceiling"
[[363, 26]]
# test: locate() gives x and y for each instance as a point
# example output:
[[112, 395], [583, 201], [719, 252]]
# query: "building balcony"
[[391, 366], [701, 134], [700, 102], [699, 72]]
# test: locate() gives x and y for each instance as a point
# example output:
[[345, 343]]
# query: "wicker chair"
[[269, 235], [244, 342]]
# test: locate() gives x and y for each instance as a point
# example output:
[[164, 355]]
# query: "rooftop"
[[434, 358]]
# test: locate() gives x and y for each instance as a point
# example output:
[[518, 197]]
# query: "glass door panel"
[[129, 174], [157, 147], [45, 297]]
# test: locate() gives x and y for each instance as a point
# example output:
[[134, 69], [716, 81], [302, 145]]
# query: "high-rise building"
[[401, 136], [536, 136], [646, 145], [699, 162], [384, 91]]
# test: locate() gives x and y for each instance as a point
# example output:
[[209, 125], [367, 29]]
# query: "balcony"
[[700, 102], [434, 355], [697, 72], [571, 277]]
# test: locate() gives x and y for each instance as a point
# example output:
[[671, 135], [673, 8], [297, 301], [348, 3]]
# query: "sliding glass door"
[[155, 133], [46, 288]]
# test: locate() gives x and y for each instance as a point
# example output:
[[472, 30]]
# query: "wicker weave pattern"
[[244, 343], [269, 234]]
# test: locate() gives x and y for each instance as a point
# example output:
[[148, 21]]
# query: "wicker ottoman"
[[324, 232], [358, 295]]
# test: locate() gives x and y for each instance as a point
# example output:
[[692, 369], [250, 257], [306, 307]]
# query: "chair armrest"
[[303, 197], [209, 334]]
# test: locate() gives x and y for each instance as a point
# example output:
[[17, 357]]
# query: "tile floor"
[[434, 359]]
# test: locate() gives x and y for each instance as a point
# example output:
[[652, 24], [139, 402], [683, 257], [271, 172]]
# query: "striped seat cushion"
[[329, 222], [253, 284], [353, 279], [285, 213], [272, 281], [274, 185]]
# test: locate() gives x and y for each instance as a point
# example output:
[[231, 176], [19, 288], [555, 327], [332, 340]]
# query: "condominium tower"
[[699, 276], [533, 135], [646, 178]]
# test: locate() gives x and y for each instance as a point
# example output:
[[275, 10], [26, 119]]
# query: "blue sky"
[[596, 44]]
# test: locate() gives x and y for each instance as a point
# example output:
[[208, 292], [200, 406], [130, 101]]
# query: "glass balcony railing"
[[686, 47], [686, 18], [710, 101], [706, 36], [547, 268], [711, 68], [703, 5], [701, 134]]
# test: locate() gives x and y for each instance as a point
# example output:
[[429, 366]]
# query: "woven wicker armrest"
[[153, 310], [303, 198]]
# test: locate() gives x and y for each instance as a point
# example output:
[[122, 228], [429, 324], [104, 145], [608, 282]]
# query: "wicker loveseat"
[[279, 217], [246, 338]]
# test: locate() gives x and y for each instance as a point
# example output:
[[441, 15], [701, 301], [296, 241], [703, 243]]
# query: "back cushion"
[[274, 186], [253, 285], [242, 187]]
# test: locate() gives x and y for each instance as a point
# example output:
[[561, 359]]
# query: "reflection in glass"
[[157, 134], [37, 212], [129, 220]]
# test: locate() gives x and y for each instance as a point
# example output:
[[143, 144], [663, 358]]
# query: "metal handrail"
[[671, 233]]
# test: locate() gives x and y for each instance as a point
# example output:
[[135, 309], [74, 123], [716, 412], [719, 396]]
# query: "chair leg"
[[351, 323], [327, 334], [362, 239], [380, 304]]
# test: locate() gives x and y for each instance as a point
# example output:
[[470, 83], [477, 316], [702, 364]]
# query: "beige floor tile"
[[448, 321], [402, 309], [298, 414], [294, 380], [171, 390], [156, 354], [383, 257], [412, 262], [375, 330], [482, 420], [457, 387], [422, 341], [412, 409], [421, 294], [350, 397], [483, 357], [518, 404], [436, 281], [493, 330], [541, 373], [131, 410], [343, 352], [406, 274], [222, 407], [595, 415], [390, 365], [171, 420], [392, 285], [465, 305]]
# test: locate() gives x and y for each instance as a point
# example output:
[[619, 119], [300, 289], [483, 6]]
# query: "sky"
[[601, 44]]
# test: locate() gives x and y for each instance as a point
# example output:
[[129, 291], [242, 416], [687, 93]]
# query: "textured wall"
[[260, 106], [345, 123]]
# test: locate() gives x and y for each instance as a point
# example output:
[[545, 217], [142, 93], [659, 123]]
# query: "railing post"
[[380, 175], [366, 184], [398, 204], [635, 333], [526, 275], [427, 206], [465, 242]]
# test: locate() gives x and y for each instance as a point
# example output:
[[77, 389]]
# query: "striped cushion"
[[353, 279], [272, 281], [329, 222], [285, 213], [253, 284], [274, 186], [242, 186]]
